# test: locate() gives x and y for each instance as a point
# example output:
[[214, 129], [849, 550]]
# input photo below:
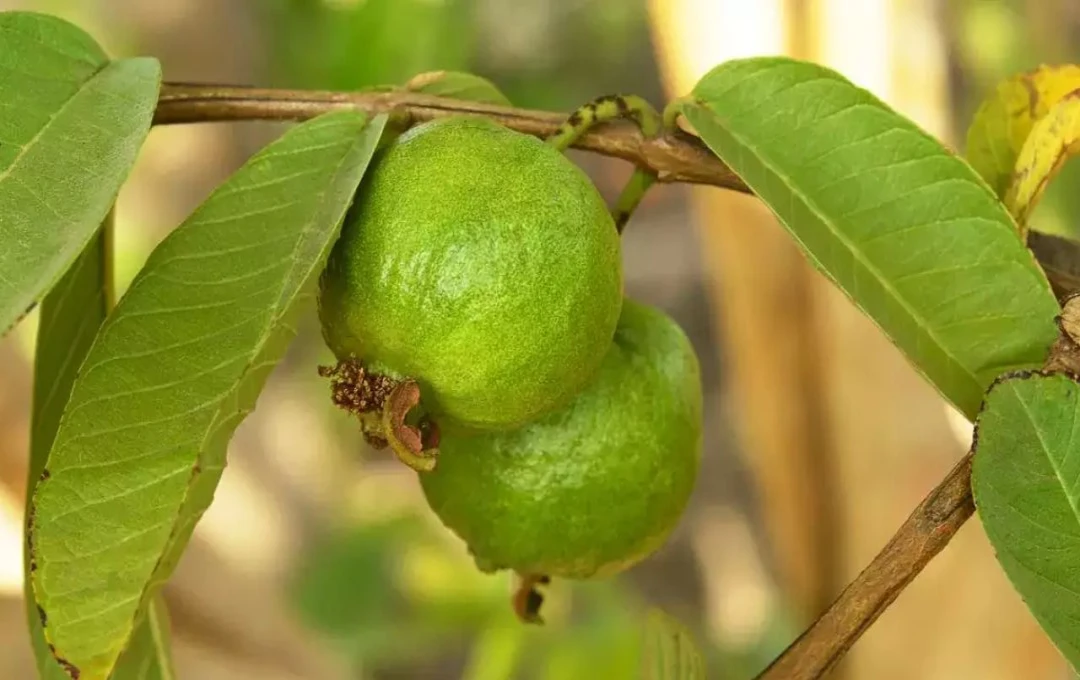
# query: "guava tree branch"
[[679, 157], [929, 528], [675, 158]]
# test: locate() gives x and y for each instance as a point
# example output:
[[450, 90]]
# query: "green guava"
[[481, 264], [594, 488]]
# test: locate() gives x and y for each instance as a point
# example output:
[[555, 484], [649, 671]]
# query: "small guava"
[[594, 488], [481, 264]]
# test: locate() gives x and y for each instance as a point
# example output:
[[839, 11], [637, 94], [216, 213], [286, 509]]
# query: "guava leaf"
[[149, 654], [173, 370], [1005, 119], [905, 228], [1054, 139], [70, 316], [670, 652], [1026, 483], [457, 85], [71, 124]]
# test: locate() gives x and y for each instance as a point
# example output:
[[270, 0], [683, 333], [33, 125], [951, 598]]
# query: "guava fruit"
[[591, 489], [481, 264]]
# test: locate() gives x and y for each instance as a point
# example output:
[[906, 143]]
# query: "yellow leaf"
[[1053, 140], [1006, 118]]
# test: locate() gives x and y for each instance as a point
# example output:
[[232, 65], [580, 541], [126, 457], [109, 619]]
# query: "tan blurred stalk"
[[764, 295], [815, 382]]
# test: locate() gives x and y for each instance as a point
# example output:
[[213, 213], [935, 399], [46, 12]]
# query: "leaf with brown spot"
[[1005, 119], [71, 314], [172, 371], [1054, 139]]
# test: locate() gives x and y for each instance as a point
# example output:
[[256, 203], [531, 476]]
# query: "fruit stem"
[[631, 196], [611, 107], [527, 599], [381, 404]]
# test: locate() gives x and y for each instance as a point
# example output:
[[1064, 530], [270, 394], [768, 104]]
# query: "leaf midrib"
[[281, 305], [856, 253], [1046, 452], [275, 315], [57, 113]]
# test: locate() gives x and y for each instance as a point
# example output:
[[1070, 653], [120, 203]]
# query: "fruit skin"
[[481, 263], [594, 488]]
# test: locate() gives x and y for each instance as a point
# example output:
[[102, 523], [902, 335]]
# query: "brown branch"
[[680, 157], [676, 158], [929, 528]]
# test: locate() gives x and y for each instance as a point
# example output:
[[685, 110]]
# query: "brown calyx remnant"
[[402, 399], [375, 441], [1065, 352], [528, 599], [382, 404], [414, 445], [361, 393], [356, 390]]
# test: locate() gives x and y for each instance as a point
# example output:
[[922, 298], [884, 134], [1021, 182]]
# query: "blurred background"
[[318, 558]]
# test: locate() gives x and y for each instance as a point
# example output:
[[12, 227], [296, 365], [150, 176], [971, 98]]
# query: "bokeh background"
[[319, 560]]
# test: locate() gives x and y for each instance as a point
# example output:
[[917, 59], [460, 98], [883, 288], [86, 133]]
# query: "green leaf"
[[172, 372], [905, 228], [1005, 119], [71, 314], [149, 655], [1026, 482], [71, 124], [670, 652], [457, 85]]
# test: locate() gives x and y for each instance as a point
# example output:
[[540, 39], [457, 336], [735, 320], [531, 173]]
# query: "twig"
[[675, 158], [929, 528], [679, 157]]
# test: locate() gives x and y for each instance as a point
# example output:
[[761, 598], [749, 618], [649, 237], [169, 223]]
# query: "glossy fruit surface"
[[481, 263], [594, 488]]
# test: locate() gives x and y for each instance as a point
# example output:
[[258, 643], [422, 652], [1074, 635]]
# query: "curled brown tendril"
[[414, 446], [381, 404]]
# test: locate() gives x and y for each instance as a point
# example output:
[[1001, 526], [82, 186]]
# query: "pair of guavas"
[[484, 265]]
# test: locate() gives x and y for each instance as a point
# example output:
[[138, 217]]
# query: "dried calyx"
[[1065, 352], [383, 405], [528, 599]]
